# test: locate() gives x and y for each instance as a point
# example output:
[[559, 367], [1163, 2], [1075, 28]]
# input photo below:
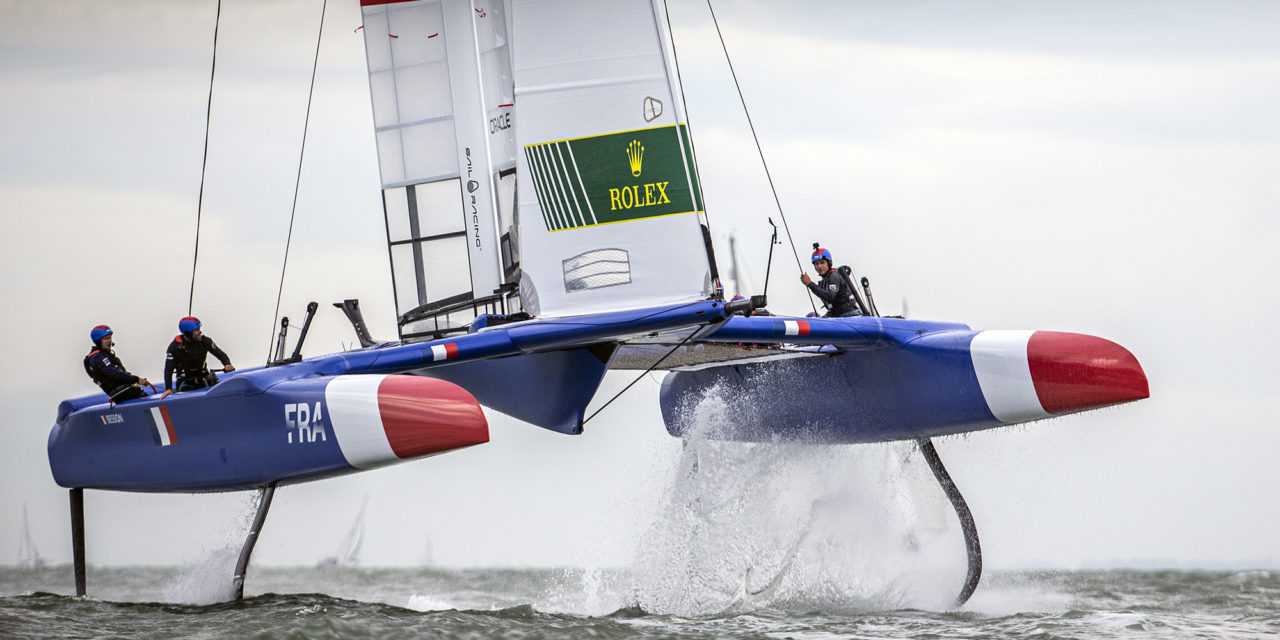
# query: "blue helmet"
[[821, 254], [188, 324], [99, 332], [811, 314]]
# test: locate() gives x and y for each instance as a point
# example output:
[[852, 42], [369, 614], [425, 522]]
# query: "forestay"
[[442, 94], [611, 216]]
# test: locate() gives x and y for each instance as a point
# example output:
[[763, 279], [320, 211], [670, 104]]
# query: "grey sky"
[[1106, 168]]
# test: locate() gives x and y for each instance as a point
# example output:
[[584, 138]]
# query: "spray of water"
[[746, 526], [207, 580]]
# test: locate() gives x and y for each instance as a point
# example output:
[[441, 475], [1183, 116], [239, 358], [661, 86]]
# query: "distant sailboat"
[[28, 554], [348, 552], [428, 554], [742, 283]]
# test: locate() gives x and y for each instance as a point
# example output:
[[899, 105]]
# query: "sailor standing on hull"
[[834, 289], [186, 358], [106, 370]]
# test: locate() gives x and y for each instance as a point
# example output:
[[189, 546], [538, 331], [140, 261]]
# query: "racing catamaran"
[[544, 225]]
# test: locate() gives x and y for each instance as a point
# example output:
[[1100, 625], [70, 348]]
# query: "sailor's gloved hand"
[[228, 369], [804, 279]]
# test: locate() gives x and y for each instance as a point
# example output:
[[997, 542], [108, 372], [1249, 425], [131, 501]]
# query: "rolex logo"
[[635, 156]]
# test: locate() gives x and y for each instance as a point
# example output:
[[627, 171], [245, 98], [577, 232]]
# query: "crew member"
[[105, 368], [186, 358], [834, 289]]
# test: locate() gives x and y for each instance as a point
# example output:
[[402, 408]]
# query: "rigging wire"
[[759, 150], [693, 148], [204, 162], [293, 211], [639, 377]]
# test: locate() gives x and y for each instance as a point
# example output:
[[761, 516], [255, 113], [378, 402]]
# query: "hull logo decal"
[[305, 423], [162, 432], [795, 328]]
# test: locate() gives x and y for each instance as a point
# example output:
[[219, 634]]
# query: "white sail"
[[743, 285], [610, 209], [428, 553], [440, 81], [348, 552], [28, 554]]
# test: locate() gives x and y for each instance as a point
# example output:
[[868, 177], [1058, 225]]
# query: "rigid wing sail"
[[545, 223]]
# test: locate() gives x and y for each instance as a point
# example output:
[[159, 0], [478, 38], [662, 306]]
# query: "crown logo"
[[635, 155]]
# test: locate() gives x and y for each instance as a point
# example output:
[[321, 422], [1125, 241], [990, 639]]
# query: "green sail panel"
[[615, 177]]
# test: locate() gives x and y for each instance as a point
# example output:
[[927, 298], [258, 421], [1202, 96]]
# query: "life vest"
[[88, 369]]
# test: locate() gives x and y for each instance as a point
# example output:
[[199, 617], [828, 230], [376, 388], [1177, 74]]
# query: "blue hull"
[[927, 388], [239, 435], [881, 380], [347, 412]]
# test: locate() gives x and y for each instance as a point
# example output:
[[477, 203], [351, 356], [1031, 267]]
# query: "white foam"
[[419, 602], [206, 581], [748, 526]]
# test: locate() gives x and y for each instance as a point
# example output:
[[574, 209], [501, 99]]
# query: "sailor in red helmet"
[[186, 358], [834, 289], [105, 368]]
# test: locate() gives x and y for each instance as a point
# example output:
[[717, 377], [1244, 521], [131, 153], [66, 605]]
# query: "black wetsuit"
[[186, 357], [837, 294], [108, 372]]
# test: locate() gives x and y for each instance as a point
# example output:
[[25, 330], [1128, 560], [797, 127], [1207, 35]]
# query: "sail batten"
[[426, 180], [589, 84], [413, 123]]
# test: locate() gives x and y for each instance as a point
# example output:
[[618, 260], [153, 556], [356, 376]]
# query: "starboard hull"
[[940, 383]]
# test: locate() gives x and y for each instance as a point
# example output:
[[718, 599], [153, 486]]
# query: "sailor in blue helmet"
[[186, 357], [834, 289], [105, 368]]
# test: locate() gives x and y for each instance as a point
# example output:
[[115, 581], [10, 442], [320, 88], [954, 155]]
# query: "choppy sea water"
[[433, 603], [767, 541]]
